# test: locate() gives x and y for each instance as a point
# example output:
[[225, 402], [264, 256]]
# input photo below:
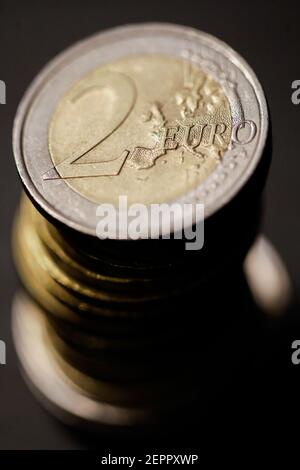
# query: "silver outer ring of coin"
[[30, 135]]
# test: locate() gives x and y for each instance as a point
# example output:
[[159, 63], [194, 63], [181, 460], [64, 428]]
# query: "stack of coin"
[[116, 330]]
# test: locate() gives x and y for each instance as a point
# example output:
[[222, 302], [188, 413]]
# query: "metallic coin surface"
[[51, 385], [127, 122], [132, 110]]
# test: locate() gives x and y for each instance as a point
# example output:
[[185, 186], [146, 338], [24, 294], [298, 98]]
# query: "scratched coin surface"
[[156, 112]]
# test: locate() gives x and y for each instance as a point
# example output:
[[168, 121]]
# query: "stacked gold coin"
[[119, 331], [123, 334]]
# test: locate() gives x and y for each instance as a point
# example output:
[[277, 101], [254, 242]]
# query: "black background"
[[266, 34]]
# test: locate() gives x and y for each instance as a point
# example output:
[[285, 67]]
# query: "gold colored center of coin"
[[150, 127]]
